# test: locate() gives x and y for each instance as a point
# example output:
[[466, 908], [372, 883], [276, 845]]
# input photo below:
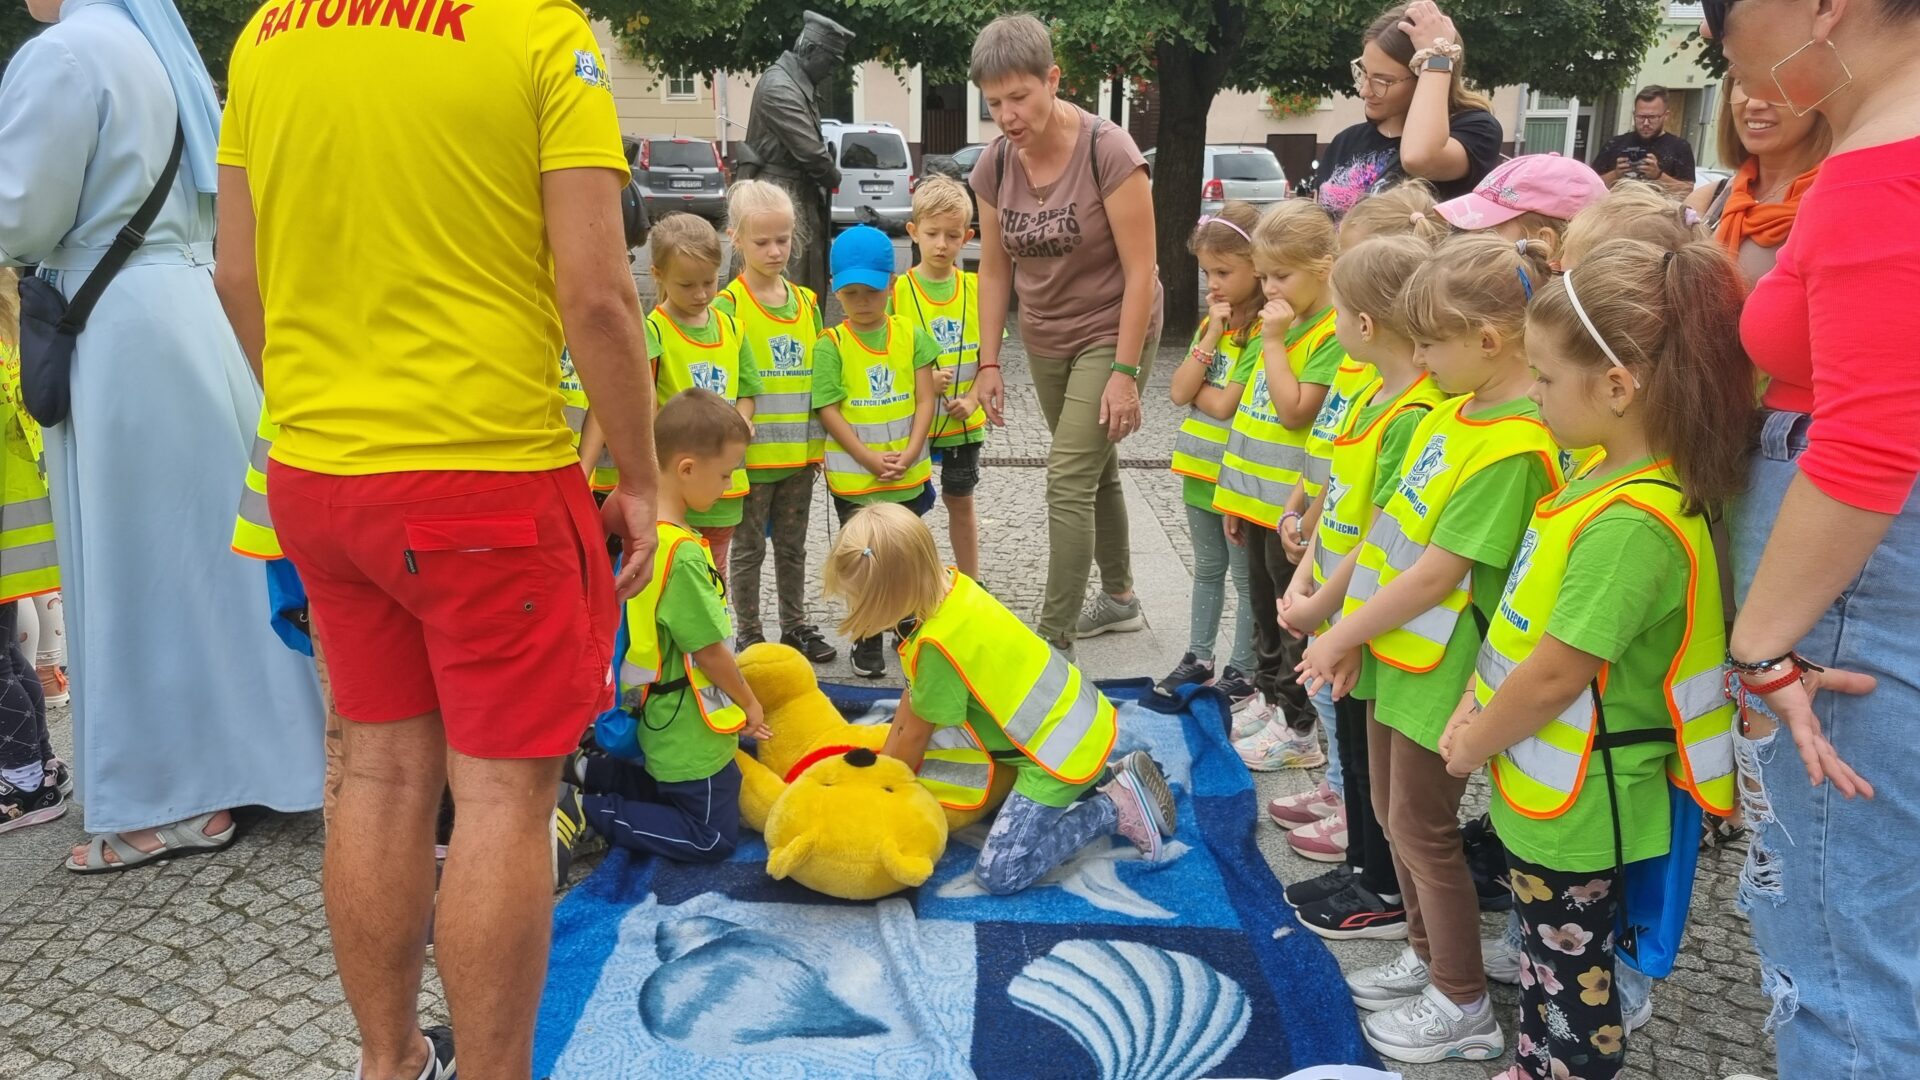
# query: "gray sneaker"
[[1432, 1028], [1105, 615], [1384, 986]]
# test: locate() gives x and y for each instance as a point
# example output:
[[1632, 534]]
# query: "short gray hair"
[[1018, 44]]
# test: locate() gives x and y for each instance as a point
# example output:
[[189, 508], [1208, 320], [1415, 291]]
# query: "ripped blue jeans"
[[1832, 885]]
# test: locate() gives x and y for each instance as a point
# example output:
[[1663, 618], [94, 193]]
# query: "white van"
[[876, 174]]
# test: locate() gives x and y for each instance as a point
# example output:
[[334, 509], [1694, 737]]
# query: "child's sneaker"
[[1105, 615], [1280, 747], [1251, 720], [1432, 1028], [1354, 912], [747, 639], [1238, 688], [1293, 811], [1336, 880], [1384, 986], [60, 775], [870, 657], [1322, 841], [1130, 804], [1153, 784], [811, 644], [570, 831], [19, 809], [1501, 959], [1190, 671]]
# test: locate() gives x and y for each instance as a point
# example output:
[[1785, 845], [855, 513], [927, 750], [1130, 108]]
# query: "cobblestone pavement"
[[219, 966]]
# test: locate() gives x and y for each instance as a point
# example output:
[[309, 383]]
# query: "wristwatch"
[[1438, 62]]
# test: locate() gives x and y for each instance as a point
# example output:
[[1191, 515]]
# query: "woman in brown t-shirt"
[[1064, 195]]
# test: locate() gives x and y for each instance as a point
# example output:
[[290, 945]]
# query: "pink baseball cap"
[[1545, 184]]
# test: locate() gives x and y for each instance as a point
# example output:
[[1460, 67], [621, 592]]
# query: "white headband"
[[1574, 298]]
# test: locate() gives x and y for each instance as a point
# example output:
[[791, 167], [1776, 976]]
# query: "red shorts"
[[484, 596]]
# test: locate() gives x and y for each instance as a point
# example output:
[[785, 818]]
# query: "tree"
[[1189, 49], [215, 24]]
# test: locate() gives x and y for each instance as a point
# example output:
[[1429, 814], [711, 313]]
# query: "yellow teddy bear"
[[838, 818]]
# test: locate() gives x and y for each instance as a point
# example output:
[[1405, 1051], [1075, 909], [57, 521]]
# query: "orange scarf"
[[1766, 224]]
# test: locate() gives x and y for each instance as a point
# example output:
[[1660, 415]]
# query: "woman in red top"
[[1827, 546]]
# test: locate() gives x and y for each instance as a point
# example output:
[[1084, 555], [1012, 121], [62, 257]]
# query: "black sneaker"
[[747, 639], [1319, 888], [19, 809], [1238, 688], [440, 1065], [570, 832], [810, 643], [1190, 671], [1354, 912], [61, 776], [870, 657]]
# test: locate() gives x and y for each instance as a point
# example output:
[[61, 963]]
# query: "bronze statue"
[[784, 146]]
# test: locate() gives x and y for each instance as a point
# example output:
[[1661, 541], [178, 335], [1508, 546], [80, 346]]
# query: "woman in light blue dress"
[[185, 705]]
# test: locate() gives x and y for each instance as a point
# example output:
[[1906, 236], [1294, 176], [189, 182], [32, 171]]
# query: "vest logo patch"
[[1260, 403], [709, 377], [1326, 425], [1431, 463], [566, 364], [1336, 494], [1218, 368], [880, 387], [586, 68], [1522, 562], [787, 352], [947, 333]]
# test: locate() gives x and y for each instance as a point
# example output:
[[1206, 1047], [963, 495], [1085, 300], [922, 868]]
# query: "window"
[[682, 87], [872, 150], [1258, 167], [680, 154]]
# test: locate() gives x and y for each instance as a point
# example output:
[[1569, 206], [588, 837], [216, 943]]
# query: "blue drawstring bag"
[[1659, 892], [617, 731], [287, 597]]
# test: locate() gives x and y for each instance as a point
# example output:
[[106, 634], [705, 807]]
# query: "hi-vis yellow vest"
[[1264, 457], [1541, 776], [878, 406], [1202, 440], [29, 563], [1356, 461], [640, 667], [574, 395], [785, 433], [1333, 420], [253, 534], [684, 363], [955, 327], [1046, 708], [1448, 448]]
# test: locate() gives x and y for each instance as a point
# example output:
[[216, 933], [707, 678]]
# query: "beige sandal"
[[178, 840]]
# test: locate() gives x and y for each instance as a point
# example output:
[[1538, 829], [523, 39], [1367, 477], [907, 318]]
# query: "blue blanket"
[[1111, 967]]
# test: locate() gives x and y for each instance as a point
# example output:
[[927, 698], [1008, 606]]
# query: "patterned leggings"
[[1569, 1010], [24, 746]]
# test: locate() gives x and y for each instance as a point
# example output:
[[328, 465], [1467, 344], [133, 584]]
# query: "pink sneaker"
[[1136, 820], [1323, 841], [1293, 811]]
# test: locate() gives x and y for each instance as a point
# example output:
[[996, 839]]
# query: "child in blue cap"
[[874, 386]]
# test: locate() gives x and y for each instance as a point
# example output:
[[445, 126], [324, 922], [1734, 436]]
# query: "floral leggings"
[[1570, 1022]]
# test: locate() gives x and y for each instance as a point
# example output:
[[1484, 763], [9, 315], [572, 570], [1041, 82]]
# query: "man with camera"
[[1649, 152]]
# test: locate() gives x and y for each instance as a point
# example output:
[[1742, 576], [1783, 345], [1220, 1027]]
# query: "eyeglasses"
[[1649, 118], [1715, 14], [1372, 85]]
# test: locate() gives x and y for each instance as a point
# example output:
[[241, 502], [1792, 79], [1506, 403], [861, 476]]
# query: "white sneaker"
[[1432, 1028], [1501, 959], [1279, 747], [1638, 1019], [1252, 720], [1384, 986]]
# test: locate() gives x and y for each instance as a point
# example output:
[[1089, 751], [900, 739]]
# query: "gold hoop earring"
[[1787, 99]]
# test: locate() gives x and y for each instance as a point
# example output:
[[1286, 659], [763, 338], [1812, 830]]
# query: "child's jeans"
[[692, 821], [783, 504], [1213, 559], [1336, 763], [1028, 839]]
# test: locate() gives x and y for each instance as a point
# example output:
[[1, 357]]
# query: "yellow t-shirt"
[[394, 149]]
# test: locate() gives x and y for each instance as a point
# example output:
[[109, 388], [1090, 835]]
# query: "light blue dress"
[[184, 702]]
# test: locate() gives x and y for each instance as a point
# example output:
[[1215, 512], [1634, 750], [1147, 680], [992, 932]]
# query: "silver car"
[[1247, 173], [876, 174]]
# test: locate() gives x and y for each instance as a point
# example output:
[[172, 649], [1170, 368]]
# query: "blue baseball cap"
[[863, 255]]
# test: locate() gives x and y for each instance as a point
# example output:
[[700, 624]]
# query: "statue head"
[[822, 45]]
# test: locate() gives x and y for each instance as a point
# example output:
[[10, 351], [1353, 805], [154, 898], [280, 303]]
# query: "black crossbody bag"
[[50, 324]]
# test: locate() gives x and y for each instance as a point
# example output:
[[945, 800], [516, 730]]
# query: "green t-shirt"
[[1624, 599], [788, 310], [941, 698], [1388, 468], [678, 744], [725, 513], [830, 389], [1483, 521], [1220, 373]]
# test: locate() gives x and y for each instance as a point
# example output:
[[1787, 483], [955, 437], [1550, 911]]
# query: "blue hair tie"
[[1526, 285]]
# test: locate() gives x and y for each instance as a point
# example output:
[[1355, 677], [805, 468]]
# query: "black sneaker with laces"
[[1354, 912], [1319, 888], [870, 657], [19, 809], [746, 639], [1190, 671], [440, 1065], [1238, 688], [811, 644], [570, 832]]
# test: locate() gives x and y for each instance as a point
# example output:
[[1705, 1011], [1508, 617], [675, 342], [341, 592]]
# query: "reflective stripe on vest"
[[1541, 776], [1264, 457], [1447, 450], [684, 363], [253, 534], [1046, 708], [641, 667], [1201, 442], [955, 327], [956, 770], [879, 406], [783, 356], [1352, 385]]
